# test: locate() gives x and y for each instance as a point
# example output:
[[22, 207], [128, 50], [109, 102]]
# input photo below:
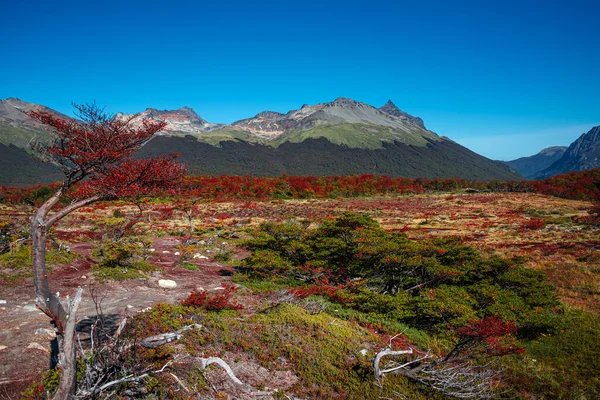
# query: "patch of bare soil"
[[26, 333]]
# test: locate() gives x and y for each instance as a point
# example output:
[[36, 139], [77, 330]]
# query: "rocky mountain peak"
[[582, 154], [343, 102], [270, 114], [389, 106], [188, 111], [391, 109], [184, 120]]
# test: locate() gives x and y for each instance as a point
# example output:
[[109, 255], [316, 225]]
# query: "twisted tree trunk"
[[48, 302]]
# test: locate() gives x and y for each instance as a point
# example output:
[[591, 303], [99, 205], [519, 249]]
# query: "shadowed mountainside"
[[582, 154], [529, 167]]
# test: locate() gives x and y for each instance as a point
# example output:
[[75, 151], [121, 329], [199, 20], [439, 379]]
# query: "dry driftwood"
[[158, 340]]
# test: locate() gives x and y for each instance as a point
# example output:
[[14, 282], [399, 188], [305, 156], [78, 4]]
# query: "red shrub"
[[214, 301], [533, 224], [486, 335]]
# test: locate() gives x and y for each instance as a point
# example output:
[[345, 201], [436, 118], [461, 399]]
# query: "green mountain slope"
[[19, 168], [320, 157], [337, 138], [361, 136]]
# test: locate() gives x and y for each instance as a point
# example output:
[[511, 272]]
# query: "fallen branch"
[[387, 352], [205, 362], [179, 382], [129, 378], [460, 379], [158, 340]]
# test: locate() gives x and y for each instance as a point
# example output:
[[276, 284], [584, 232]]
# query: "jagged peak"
[[269, 114], [187, 111], [344, 101], [392, 109], [390, 104]]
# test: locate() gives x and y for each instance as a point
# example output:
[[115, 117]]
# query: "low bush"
[[213, 301], [429, 284], [122, 259]]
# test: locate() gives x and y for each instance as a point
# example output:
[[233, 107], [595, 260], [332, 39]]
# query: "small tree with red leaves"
[[94, 152]]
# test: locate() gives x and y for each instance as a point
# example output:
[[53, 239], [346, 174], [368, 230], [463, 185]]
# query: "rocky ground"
[[26, 333]]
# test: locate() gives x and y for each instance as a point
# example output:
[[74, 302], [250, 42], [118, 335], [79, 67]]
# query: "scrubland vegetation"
[[497, 280]]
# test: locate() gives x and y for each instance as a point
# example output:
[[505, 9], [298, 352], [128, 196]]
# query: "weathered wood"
[[68, 354]]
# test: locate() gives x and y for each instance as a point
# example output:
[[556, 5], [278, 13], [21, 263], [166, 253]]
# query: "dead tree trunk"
[[68, 352], [48, 302]]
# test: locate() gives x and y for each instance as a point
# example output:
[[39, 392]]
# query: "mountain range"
[[531, 166], [336, 138], [581, 155]]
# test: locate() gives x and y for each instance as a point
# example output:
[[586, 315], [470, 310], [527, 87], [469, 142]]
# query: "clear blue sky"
[[503, 78]]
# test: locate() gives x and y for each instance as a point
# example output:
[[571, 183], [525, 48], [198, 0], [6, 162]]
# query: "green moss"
[[563, 365], [189, 266], [137, 269], [322, 350], [122, 259], [17, 265]]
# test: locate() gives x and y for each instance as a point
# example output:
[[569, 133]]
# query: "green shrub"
[[433, 283], [122, 259], [44, 388]]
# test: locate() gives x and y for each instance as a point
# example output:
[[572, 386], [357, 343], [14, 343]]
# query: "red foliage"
[[577, 185], [488, 332], [485, 328], [219, 300], [323, 288], [533, 224], [132, 178], [98, 147]]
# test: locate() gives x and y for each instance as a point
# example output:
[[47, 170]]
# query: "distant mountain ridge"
[[340, 137], [181, 121], [17, 129], [274, 128], [581, 155], [529, 167]]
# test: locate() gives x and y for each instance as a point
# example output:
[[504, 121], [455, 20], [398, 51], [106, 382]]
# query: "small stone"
[[167, 284], [166, 252], [364, 352], [152, 250], [44, 331], [30, 308], [177, 253], [83, 277], [2, 301], [200, 256], [2, 347], [37, 346], [129, 306], [219, 288]]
